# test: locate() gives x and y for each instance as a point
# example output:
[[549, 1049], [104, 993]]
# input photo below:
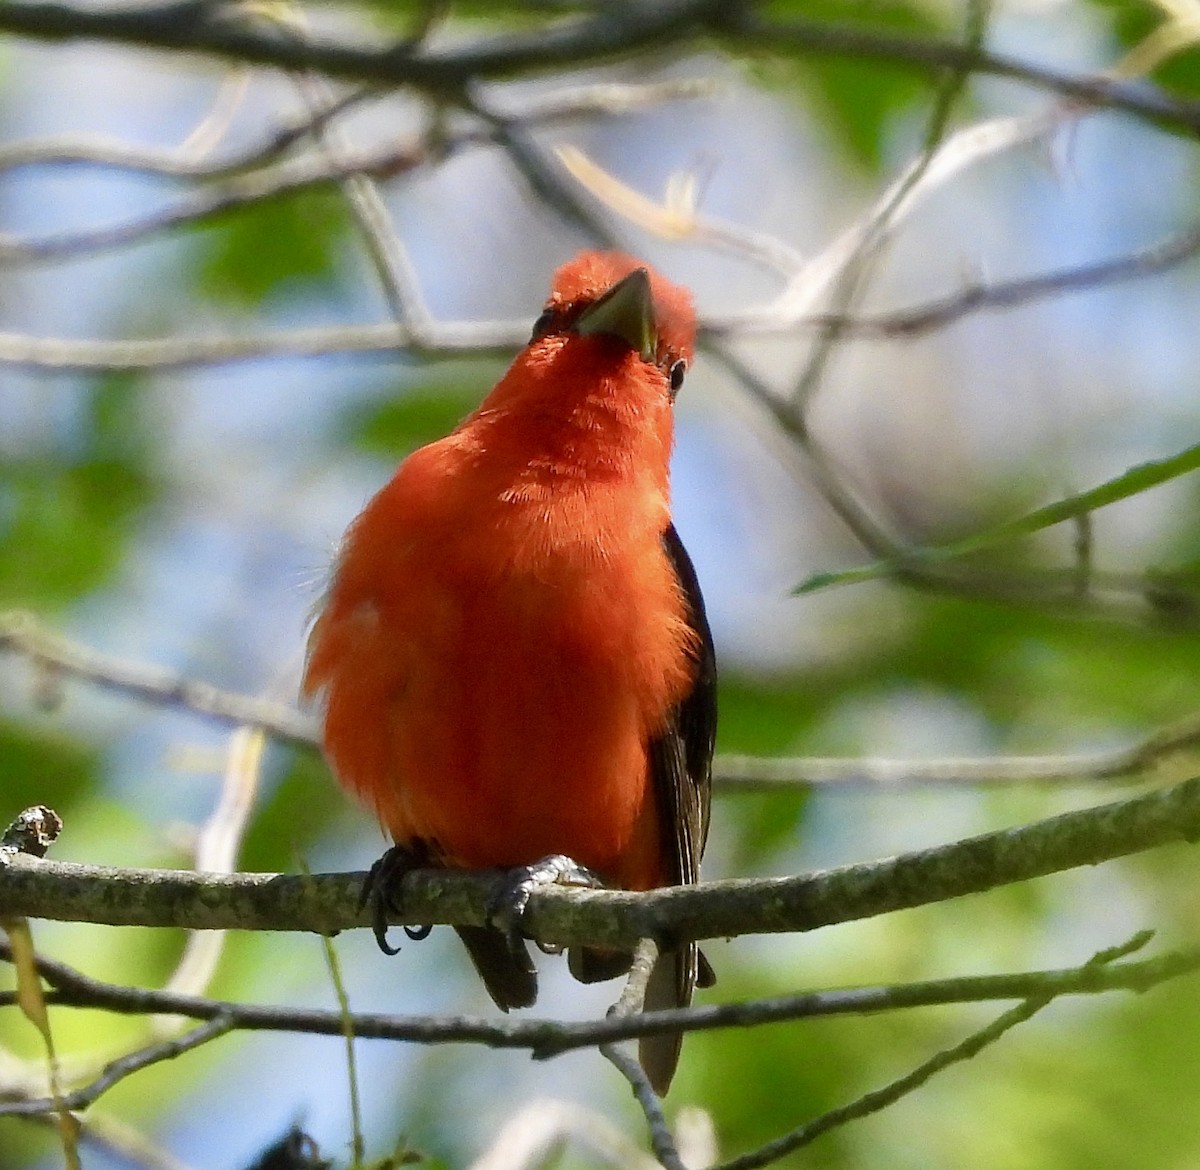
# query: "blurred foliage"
[[432, 404], [1099, 1084], [1132, 21], [287, 247], [860, 102], [293, 812], [42, 766], [69, 506]]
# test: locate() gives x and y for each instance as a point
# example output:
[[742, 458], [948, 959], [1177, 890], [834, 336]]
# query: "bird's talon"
[[381, 891], [507, 905]]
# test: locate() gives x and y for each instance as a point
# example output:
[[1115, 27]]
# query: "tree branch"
[[195, 26], [547, 1038], [22, 634], [327, 903], [118, 1070], [198, 27], [879, 1099]]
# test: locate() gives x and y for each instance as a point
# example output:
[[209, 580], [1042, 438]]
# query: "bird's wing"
[[681, 770]]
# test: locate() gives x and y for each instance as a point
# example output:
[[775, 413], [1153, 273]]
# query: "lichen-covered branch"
[[330, 902]]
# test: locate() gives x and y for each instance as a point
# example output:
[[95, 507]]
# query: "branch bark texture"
[[327, 903]]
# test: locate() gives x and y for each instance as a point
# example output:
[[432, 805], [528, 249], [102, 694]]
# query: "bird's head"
[[612, 295]]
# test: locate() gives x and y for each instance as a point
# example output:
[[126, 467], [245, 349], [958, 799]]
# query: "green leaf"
[[1137, 479], [1131, 22], [860, 99], [67, 512], [286, 245], [419, 413]]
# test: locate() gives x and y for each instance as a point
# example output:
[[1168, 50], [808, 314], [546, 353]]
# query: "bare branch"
[[256, 187], [629, 1004], [118, 1070], [880, 1099], [466, 339], [328, 903], [944, 311], [604, 34], [547, 1038], [21, 634], [661, 1140], [1123, 763]]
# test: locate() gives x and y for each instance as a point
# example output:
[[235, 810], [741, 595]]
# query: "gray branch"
[[608, 33], [546, 1038], [725, 909]]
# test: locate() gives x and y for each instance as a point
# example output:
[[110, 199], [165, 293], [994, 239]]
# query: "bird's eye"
[[675, 375], [543, 324]]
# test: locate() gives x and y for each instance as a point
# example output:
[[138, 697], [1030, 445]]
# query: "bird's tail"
[[509, 976], [673, 978]]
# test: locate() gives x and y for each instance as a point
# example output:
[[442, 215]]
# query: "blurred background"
[[168, 508]]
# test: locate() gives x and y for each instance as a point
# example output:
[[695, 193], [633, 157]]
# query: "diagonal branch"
[[118, 1070], [21, 633], [879, 1099]]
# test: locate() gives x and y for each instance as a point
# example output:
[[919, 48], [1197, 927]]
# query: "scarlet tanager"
[[513, 654]]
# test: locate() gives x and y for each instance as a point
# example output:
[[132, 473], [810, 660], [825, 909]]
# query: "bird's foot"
[[506, 907], [382, 891]]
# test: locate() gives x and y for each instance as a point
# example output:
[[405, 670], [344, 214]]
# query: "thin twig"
[[218, 845], [254, 188], [548, 1038], [879, 1099], [118, 1070], [22, 634], [850, 277], [629, 1004], [661, 1139]]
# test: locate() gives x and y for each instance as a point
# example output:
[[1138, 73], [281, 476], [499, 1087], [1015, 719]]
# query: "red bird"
[[513, 654]]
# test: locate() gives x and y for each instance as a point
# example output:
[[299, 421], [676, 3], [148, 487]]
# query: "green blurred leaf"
[[419, 413], [300, 806], [42, 766], [860, 100], [284, 245], [67, 512], [1131, 22]]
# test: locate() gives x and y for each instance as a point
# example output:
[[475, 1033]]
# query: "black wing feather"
[[681, 769], [681, 758]]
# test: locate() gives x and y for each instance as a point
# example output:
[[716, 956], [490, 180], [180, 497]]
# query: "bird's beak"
[[625, 311]]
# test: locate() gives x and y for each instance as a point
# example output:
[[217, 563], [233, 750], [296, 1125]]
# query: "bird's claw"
[[382, 891], [506, 907]]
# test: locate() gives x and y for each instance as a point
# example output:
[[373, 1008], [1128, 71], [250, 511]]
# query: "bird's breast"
[[502, 663]]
